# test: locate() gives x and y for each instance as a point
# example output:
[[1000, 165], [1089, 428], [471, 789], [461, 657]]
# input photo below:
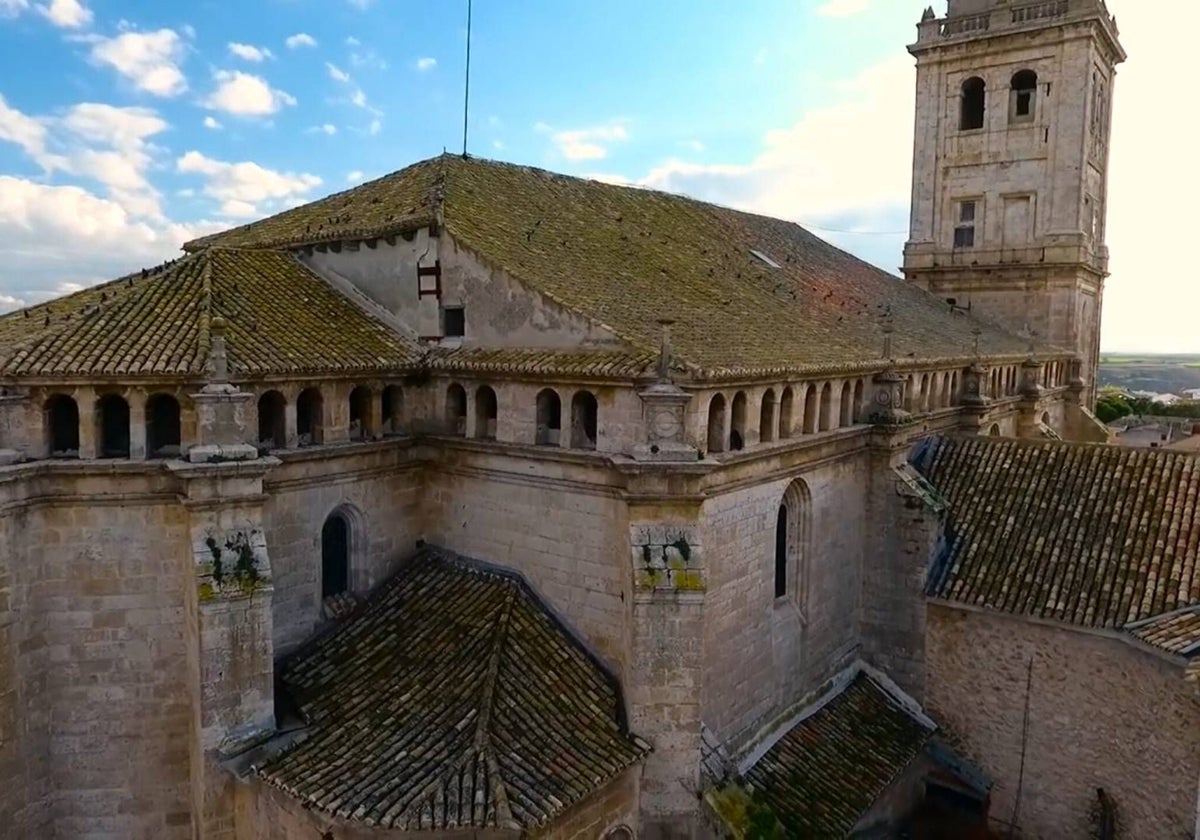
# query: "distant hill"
[[1166, 374]]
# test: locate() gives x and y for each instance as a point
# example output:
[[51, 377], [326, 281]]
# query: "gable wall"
[[1101, 714]]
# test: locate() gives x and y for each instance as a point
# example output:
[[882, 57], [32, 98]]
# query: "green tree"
[[1112, 406]]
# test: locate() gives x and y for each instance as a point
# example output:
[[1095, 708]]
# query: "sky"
[[130, 126]]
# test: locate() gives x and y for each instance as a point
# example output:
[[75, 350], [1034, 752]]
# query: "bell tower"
[[1010, 165]]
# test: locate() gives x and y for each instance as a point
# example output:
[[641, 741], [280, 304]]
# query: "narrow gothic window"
[[737, 427], [549, 418], [62, 427], [1024, 94], [162, 427], [335, 556], [112, 423], [964, 226], [485, 413], [781, 551], [584, 412], [791, 545], [716, 424], [309, 428], [456, 411], [973, 107], [272, 432], [360, 413]]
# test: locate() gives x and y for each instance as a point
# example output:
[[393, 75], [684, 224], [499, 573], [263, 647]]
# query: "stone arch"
[[1045, 418], [620, 832], [859, 408], [826, 407], [310, 410], [973, 105], [343, 543], [846, 409], [585, 417], [954, 388], [391, 409], [60, 415], [737, 423], [766, 417], [786, 407], [163, 436], [1023, 106], [486, 413], [112, 426], [272, 420], [812, 410], [549, 418], [716, 423], [793, 528], [456, 410], [360, 414], [994, 431]]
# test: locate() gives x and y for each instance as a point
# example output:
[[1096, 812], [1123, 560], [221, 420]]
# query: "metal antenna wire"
[[467, 91]]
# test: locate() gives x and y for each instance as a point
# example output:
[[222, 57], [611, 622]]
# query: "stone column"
[[136, 398], [292, 437], [14, 434], [974, 397], [664, 407], [1031, 394], [85, 400], [375, 413]]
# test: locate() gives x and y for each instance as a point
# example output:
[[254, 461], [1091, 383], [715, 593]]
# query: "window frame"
[[965, 232]]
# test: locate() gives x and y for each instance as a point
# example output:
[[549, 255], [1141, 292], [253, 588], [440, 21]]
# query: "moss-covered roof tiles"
[[1097, 536], [625, 257], [280, 317], [452, 699], [828, 770]]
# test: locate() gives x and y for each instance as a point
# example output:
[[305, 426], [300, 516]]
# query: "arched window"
[[1045, 418], [785, 414], [909, 388], [309, 429], [61, 420], [994, 431], [973, 104], [923, 401], [360, 413], [859, 408], [846, 416], [162, 426], [456, 411], [737, 426], [335, 555], [549, 418], [486, 411], [826, 407], [954, 388], [584, 413], [272, 425], [716, 423], [1024, 96], [766, 417], [791, 544], [812, 411], [392, 410], [112, 426]]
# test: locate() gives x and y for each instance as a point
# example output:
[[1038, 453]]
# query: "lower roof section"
[[452, 698]]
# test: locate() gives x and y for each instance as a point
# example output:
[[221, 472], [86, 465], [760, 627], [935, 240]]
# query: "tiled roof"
[[601, 363], [1176, 632], [452, 698], [1098, 536], [828, 770], [625, 257], [281, 318]]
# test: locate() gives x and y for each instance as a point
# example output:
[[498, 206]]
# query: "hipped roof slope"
[[626, 257]]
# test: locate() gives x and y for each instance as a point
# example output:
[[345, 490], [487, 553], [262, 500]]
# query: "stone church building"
[[483, 502]]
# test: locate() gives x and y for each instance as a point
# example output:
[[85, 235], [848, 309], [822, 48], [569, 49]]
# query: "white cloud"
[[359, 98], [12, 8], [151, 60], [243, 187], [375, 127], [300, 39], [354, 177], [351, 41], [328, 129], [360, 4], [498, 145], [426, 64], [25, 131], [585, 143], [211, 122], [245, 94], [842, 8], [336, 73], [68, 14], [250, 52]]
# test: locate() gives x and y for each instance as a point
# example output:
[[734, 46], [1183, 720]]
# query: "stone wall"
[[100, 653], [378, 488], [764, 654], [1102, 714]]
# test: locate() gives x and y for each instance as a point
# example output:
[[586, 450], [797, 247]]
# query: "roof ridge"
[[487, 701]]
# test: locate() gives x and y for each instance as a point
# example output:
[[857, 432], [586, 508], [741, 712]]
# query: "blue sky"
[[127, 126]]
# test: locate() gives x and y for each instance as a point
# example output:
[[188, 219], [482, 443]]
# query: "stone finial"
[[664, 351], [976, 332], [928, 15], [888, 326], [1030, 335], [218, 360]]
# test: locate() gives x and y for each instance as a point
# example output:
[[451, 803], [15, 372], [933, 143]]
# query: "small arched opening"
[[812, 410], [272, 424], [549, 418], [584, 416], [716, 423], [112, 426], [392, 410], [923, 399], [846, 413], [791, 543], [954, 388], [859, 409], [1024, 96], [486, 413], [973, 104], [827, 417], [786, 407], [1045, 418], [335, 555], [994, 431], [360, 413], [737, 425], [456, 411], [61, 421], [162, 427], [309, 428], [766, 417]]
